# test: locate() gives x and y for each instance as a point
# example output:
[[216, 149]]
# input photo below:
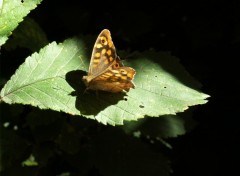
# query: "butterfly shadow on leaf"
[[90, 102]]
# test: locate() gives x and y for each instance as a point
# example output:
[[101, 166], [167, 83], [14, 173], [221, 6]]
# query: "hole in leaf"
[[164, 87], [141, 106], [125, 99]]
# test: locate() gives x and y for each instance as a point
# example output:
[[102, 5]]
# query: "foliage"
[[46, 112]]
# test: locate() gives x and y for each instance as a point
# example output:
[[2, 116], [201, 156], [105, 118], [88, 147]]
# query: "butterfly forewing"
[[103, 55]]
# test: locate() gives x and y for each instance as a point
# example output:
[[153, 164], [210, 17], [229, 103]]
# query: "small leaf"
[[64, 174], [126, 155], [164, 127], [12, 14], [30, 161], [52, 80]]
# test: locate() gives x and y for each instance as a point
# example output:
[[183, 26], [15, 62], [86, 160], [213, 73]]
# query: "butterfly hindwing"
[[114, 80]]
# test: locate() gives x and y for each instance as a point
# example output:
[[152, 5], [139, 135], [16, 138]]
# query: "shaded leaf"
[[40, 81], [52, 80], [44, 125], [163, 127], [29, 35], [64, 174], [9, 154], [30, 161], [122, 151], [12, 13]]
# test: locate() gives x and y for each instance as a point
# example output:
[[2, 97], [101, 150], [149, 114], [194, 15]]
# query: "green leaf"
[[1, 3], [12, 14], [52, 80], [30, 161], [40, 81], [166, 126], [13, 147], [126, 155], [29, 35], [64, 174]]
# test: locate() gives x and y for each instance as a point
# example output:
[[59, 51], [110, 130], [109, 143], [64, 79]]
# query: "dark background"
[[204, 35]]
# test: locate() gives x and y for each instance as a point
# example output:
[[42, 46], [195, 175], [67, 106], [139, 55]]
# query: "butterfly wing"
[[106, 71], [103, 55], [114, 80]]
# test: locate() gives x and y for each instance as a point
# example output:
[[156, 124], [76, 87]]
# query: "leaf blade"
[[52, 80], [40, 81], [12, 14]]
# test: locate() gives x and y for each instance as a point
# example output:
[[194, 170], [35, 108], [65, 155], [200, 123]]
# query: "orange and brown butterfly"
[[106, 71]]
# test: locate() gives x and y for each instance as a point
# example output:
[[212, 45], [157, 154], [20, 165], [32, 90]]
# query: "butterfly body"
[[106, 71]]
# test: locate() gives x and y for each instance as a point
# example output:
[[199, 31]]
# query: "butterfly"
[[106, 71]]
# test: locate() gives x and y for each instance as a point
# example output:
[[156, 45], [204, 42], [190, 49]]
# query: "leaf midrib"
[[29, 84]]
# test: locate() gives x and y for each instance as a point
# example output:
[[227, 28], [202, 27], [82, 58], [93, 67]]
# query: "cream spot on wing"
[[96, 60], [130, 75], [109, 52], [97, 54], [111, 59], [110, 43], [98, 45], [104, 51], [106, 62], [124, 77], [124, 72], [109, 74], [115, 71], [105, 76]]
